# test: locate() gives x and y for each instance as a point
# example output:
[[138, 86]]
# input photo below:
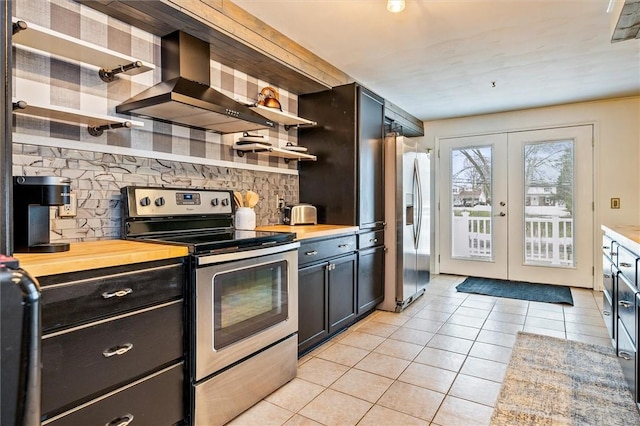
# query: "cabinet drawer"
[[318, 250], [370, 239], [627, 357], [609, 247], [626, 306], [627, 265], [77, 298], [154, 400], [81, 362]]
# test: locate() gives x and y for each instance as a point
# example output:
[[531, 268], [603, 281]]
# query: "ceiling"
[[451, 58]]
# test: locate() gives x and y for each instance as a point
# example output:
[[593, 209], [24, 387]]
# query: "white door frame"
[[437, 228]]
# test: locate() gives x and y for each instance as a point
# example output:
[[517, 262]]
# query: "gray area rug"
[[517, 290], [553, 381]]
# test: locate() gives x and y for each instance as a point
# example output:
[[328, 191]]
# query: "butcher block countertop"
[[304, 232], [626, 235], [96, 254]]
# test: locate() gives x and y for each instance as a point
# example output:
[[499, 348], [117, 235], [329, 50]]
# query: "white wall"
[[617, 152]]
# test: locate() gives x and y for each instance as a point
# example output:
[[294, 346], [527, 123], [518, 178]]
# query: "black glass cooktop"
[[226, 240]]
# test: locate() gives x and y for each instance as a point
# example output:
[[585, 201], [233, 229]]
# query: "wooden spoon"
[[252, 199], [238, 199]]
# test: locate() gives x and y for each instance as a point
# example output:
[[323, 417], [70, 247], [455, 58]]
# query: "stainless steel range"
[[243, 296]]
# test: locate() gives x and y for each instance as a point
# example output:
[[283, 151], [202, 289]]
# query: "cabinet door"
[[370, 279], [342, 292], [371, 179], [312, 305]]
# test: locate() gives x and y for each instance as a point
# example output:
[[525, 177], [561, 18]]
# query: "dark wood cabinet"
[[111, 336], [342, 292], [346, 183], [370, 279], [313, 325], [326, 289]]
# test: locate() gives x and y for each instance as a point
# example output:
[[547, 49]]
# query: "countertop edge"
[[627, 236], [118, 253], [305, 232]]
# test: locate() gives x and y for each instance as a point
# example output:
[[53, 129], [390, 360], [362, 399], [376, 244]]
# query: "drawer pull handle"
[[121, 421], [343, 246], [311, 253], [625, 264], [119, 293], [117, 350], [605, 247], [613, 254], [373, 240], [606, 313], [625, 355], [607, 275], [624, 304]]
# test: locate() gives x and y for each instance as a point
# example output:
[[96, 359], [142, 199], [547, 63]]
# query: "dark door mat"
[[517, 290]]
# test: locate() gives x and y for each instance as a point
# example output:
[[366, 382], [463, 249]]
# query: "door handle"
[[501, 214], [625, 265], [624, 304]]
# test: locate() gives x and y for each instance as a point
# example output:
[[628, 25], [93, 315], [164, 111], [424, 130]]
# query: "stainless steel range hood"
[[185, 95]]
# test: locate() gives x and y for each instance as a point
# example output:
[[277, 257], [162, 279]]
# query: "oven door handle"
[[247, 254]]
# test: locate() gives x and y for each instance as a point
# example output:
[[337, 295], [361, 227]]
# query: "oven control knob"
[[215, 202], [159, 201], [225, 202], [145, 201]]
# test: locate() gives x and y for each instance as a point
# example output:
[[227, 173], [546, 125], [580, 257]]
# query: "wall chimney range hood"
[[185, 95]]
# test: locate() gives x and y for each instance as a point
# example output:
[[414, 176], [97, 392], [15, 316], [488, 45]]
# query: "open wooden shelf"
[[64, 46], [274, 114], [94, 122], [272, 151]]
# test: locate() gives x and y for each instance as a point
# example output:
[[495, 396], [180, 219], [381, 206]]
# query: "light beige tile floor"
[[439, 362]]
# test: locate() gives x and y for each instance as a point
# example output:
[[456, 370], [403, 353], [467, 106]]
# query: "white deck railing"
[[547, 240]]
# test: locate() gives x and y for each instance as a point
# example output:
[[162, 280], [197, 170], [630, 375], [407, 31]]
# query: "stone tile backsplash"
[[97, 178]]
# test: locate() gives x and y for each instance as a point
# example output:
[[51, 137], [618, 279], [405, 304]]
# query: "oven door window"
[[247, 301]]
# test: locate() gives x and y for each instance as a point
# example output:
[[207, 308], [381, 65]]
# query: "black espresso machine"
[[32, 197]]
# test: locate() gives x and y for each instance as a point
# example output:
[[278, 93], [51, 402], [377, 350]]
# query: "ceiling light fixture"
[[395, 6]]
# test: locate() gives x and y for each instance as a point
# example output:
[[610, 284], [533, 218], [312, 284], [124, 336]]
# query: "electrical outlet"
[[71, 209], [615, 203]]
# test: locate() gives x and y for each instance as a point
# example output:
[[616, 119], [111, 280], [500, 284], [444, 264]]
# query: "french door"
[[519, 206]]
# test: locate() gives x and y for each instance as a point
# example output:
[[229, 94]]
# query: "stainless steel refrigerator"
[[407, 166]]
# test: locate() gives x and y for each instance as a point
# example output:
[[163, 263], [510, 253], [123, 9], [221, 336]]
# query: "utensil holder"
[[245, 219]]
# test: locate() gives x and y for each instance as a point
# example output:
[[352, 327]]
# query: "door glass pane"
[[548, 204], [471, 215]]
